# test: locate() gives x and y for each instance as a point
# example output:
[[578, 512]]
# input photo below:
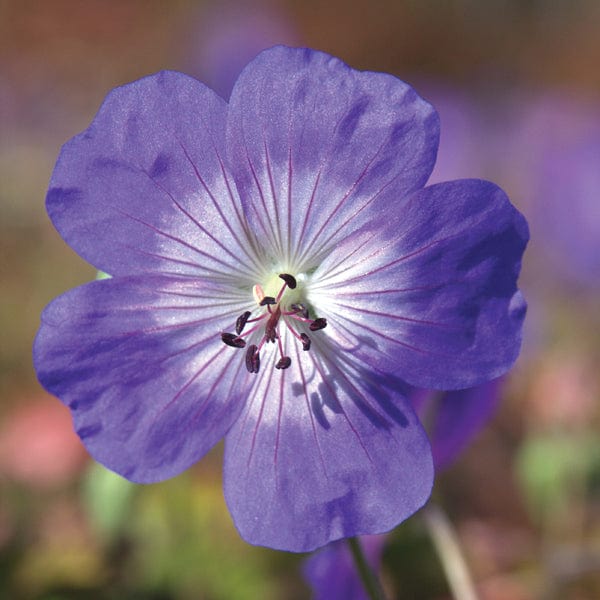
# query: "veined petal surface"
[[324, 450], [145, 187], [139, 362], [318, 148], [431, 294]]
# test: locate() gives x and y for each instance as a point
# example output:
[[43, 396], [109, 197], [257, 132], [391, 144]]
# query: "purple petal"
[[332, 574], [323, 451], [453, 419], [144, 187], [318, 148], [137, 361], [435, 301]]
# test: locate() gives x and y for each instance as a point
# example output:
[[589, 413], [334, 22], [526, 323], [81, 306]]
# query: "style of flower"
[[278, 271]]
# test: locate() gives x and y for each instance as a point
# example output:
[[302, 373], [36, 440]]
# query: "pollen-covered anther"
[[252, 359], [233, 340], [305, 341], [318, 324], [289, 279], [241, 322], [283, 363]]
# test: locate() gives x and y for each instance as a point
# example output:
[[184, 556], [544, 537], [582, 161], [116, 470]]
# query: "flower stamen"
[[252, 359], [273, 316]]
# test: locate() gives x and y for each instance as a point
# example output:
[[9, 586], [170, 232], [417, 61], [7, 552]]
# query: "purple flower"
[[227, 36], [332, 574], [452, 419], [278, 271]]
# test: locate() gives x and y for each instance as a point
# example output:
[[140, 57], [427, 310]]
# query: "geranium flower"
[[278, 271]]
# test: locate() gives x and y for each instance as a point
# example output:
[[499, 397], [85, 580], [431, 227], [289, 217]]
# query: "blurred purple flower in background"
[[452, 419], [234, 235], [228, 35], [331, 572], [556, 157]]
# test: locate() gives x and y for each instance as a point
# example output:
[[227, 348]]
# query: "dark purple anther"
[[318, 324], [252, 359], [289, 279], [268, 300], [305, 341], [241, 322], [233, 340], [283, 363]]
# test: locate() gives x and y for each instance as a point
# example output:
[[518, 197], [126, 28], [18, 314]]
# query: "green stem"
[[367, 576], [446, 543]]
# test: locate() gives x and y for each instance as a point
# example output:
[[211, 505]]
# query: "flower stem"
[[367, 576], [446, 543]]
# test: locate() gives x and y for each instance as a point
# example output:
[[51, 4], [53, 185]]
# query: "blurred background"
[[517, 86]]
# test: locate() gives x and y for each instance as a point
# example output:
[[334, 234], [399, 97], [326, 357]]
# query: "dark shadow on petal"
[[89, 431], [317, 409], [329, 399], [370, 391], [159, 167], [350, 122]]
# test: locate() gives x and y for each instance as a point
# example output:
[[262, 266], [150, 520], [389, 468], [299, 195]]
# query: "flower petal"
[[331, 572], [139, 362], [144, 187], [317, 148], [459, 416], [431, 294], [453, 419], [325, 449]]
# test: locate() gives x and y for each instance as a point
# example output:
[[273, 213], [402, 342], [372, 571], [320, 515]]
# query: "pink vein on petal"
[[225, 221]]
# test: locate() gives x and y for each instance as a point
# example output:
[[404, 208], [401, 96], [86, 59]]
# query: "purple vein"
[[309, 410], [324, 162], [187, 384], [163, 257], [224, 404], [353, 187], [391, 263], [224, 219], [279, 413], [395, 316], [189, 215], [352, 332], [351, 217], [327, 382], [273, 195], [180, 241], [260, 415]]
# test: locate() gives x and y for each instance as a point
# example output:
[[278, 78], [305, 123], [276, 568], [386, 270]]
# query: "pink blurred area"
[[38, 446]]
